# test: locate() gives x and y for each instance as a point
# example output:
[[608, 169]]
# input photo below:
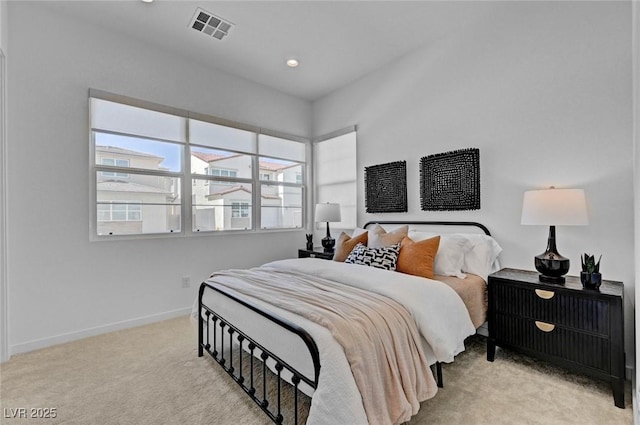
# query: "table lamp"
[[328, 212], [553, 207]]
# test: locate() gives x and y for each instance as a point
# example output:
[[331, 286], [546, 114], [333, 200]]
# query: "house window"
[[239, 209], [144, 156], [120, 211], [218, 172], [223, 173], [115, 163]]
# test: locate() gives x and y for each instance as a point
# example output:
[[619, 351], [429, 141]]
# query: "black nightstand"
[[316, 253], [572, 327]]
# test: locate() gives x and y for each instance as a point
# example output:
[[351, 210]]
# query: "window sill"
[[111, 238]]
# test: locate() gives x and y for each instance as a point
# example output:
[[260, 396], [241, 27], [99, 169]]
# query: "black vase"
[[591, 280], [309, 246]]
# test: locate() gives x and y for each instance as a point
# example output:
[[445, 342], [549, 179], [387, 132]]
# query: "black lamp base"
[[328, 243], [551, 265], [559, 280]]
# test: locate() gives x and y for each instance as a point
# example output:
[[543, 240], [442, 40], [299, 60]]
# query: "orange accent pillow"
[[346, 243], [416, 258]]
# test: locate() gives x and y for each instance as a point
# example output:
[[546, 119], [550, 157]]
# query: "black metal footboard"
[[247, 345]]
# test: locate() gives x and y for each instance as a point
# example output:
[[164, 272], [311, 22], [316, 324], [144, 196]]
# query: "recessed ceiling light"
[[147, 1], [292, 63]]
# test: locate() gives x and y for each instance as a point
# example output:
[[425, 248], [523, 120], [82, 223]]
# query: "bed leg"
[[200, 325], [200, 350], [439, 375]]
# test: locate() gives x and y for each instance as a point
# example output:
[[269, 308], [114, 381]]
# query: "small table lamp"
[[328, 213], [553, 207]]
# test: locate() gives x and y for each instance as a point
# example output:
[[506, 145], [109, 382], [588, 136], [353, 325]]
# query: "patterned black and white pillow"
[[384, 257]]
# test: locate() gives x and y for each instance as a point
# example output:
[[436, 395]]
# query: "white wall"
[[543, 89], [55, 293], [4, 344]]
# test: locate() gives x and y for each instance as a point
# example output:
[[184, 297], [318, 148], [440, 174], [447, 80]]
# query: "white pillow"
[[451, 252], [358, 231], [482, 257]]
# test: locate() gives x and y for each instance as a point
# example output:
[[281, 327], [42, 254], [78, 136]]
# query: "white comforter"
[[439, 312]]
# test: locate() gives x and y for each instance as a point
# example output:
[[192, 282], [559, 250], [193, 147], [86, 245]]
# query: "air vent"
[[210, 24]]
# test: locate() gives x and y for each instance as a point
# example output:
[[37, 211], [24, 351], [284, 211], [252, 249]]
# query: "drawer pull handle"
[[545, 327], [545, 295]]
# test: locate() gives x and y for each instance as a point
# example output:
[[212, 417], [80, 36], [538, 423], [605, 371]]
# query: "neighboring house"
[[130, 203], [221, 205], [134, 203]]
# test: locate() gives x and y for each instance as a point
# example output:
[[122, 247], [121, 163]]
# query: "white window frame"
[[187, 188]]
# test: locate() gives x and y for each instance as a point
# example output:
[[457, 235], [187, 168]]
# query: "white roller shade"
[[121, 118], [276, 147], [218, 136], [336, 175]]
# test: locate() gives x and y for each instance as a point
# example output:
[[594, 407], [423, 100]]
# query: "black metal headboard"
[[435, 223]]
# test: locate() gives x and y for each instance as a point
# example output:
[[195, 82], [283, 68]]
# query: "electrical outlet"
[[186, 281]]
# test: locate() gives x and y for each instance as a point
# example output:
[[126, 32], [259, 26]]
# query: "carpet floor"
[[152, 375]]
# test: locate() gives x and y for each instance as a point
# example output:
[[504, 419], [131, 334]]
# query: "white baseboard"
[[98, 330]]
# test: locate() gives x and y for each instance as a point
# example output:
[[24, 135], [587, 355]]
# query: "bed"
[[254, 333]]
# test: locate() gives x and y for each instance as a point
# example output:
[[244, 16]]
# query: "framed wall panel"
[[386, 187], [450, 181]]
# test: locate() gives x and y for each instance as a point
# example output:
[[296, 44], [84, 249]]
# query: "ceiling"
[[336, 42]]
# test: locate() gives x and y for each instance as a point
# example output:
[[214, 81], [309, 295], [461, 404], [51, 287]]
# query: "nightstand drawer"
[[553, 306], [553, 340]]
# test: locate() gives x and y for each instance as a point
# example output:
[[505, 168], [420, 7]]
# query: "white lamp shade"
[[555, 207], [328, 212]]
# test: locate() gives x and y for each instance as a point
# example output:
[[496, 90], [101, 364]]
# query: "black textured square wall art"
[[386, 187], [450, 181]]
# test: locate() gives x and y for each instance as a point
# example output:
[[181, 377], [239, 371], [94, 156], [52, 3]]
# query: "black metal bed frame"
[[246, 343], [251, 346]]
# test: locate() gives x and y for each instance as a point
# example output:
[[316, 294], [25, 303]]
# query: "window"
[[137, 168], [120, 211], [335, 175], [145, 156], [223, 173], [115, 163], [240, 209]]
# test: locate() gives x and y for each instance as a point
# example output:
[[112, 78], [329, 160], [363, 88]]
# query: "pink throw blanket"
[[379, 336]]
